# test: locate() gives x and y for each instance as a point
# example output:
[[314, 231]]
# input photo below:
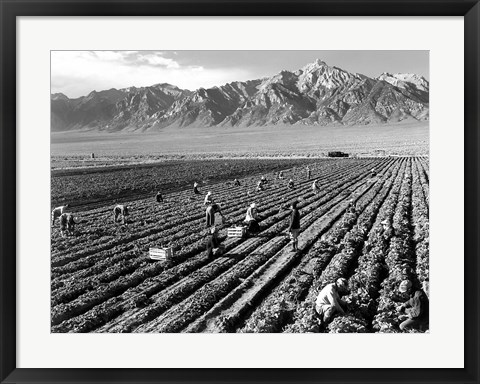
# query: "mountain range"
[[317, 94]]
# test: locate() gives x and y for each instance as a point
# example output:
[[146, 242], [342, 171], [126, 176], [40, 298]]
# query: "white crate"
[[160, 253], [236, 231]]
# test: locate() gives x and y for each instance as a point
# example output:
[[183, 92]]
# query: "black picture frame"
[[10, 9]]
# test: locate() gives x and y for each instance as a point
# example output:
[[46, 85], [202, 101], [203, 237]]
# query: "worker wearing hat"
[[328, 301], [251, 219], [416, 308]]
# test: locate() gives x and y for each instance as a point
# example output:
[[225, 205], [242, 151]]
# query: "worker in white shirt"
[[58, 211], [329, 302], [208, 199], [315, 187], [251, 219]]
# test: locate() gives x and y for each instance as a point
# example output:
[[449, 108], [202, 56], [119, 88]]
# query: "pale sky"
[[77, 73]]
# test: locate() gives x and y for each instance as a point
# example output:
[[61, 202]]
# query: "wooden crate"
[[236, 231], [160, 253]]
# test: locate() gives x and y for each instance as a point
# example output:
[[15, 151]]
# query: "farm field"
[[103, 281]]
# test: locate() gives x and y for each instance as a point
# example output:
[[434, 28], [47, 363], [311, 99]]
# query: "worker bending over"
[[120, 210], [236, 183], [291, 184], [58, 211], [315, 187], [195, 188], [328, 301], [260, 186], [159, 197], [67, 224], [210, 214], [416, 308]]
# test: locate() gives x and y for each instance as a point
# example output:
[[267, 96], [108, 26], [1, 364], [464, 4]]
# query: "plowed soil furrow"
[[173, 226], [98, 297], [181, 316], [127, 267], [277, 308]]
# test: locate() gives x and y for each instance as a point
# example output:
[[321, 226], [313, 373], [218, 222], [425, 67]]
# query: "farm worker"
[[294, 227], [351, 206], [159, 197], [58, 211], [373, 172], [208, 199], [315, 186], [385, 230], [195, 188], [251, 219], [263, 180], [291, 185], [213, 241], [329, 302], [309, 172], [210, 214], [259, 186], [67, 224], [416, 308], [120, 210], [280, 175], [236, 183]]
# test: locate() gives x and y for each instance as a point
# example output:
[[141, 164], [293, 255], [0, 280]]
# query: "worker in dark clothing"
[[416, 309], [67, 224], [373, 173], [236, 183], [291, 185], [63, 224], [294, 227], [159, 197], [210, 214], [70, 223], [309, 172], [195, 189], [120, 210], [213, 242], [280, 175]]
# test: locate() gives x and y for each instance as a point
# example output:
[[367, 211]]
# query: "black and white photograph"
[[235, 191]]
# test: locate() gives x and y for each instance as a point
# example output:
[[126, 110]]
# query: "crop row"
[[305, 319], [400, 261], [185, 286], [150, 271], [277, 309]]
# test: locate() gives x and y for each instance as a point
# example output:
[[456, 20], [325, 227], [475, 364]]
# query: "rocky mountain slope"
[[317, 94]]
